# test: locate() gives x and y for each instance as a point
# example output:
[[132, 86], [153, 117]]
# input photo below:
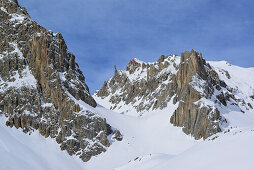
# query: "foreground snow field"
[[149, 142], [231, 151]]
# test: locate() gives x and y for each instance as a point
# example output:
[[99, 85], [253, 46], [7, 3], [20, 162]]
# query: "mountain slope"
[[41, 86]]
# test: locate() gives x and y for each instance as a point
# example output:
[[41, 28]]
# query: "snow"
[[160, 145], [138, 61], [149, 134], [240, 81], [22, 151], [141, 73], [16, 50], [62, 76], [47, 105], [18, 80], [26, 112], [241, 78], [198, 84], [156, 143], [15, 17], [232, 151], [141, 136], [150, 161], [137, 75], [25, 79], [71, 82], [3, 9], [170, 69]]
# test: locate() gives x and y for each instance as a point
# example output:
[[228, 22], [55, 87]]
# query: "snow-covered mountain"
[[180, 112], [203, 92]]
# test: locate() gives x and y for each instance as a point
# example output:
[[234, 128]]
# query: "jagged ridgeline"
[[188, 81], [41, 86]]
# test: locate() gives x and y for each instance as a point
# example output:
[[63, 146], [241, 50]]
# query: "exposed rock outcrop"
[[143, 86], [200, 121], [41, 86]]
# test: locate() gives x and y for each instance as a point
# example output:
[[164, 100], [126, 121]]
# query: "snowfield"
[[149, 142], [230, 152]]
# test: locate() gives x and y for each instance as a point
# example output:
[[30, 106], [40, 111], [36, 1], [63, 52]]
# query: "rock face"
[[200, 121], [187, 80], [41, 86]]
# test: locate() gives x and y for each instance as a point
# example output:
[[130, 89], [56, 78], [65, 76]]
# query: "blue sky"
[[104, 33]]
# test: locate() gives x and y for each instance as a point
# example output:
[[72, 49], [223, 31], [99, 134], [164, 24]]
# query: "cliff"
[[42, 86]]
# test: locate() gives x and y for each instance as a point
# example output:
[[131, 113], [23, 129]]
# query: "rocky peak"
[[192, 84], [116, 72], [192, 63], [12, 7], [42, 87], [161, 59], [133, 65], [138, 82]]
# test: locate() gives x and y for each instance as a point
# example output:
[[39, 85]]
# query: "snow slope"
[[141, 136], [241, 79], [32, 152], [149, 142], [231, 151], [151, 134]]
